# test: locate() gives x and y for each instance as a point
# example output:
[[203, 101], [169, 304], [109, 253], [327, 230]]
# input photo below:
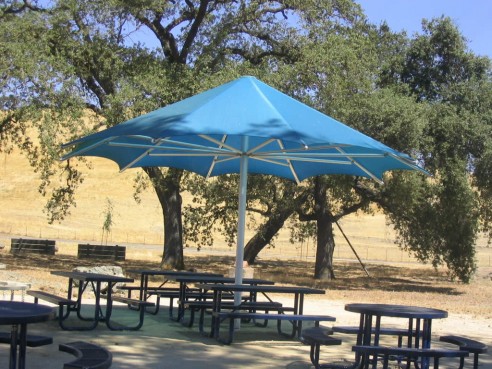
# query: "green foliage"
[[439, 220], [214, 208], [76, 66], [436, 220], [396, 120], [108, 220], [437, 60]]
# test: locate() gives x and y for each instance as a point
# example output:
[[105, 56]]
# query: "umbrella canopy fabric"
[[244, 126], [286, 138]]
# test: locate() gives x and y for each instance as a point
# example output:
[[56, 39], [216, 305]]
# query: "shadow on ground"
[[349, 276]]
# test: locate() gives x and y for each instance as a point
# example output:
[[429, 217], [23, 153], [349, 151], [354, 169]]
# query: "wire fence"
[[367, 248]]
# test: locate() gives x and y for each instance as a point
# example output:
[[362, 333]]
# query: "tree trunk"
[[323, 268], [264, 235], [168, 191], [274, 223]]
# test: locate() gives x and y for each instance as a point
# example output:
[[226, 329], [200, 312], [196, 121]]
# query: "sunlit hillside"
[[21, 214]]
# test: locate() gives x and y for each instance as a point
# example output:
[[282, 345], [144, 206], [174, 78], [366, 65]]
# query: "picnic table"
[[19, 315], [12, 286], [251, 309], [82, 280], [418, 337], [145, 291], [186, 280]]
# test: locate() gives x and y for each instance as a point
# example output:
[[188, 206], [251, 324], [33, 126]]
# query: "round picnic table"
[[419, 326], [419, 321], [20, 314]]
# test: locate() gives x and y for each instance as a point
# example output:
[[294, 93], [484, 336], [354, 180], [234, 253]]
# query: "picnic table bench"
[[65, 305], [89, 355], [171, 293], [107, 252], [408, 353], [252, 306], [466, 344], [31, 339], [31, 245], [158, 291], [136, 304], [221, 311], [322, 336], [386, 331], [279, 317], [315, 337]]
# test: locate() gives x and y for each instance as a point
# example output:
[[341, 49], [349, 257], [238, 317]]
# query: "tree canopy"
[[74, 67]]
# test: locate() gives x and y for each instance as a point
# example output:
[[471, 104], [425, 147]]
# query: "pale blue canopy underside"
[[205, 134]]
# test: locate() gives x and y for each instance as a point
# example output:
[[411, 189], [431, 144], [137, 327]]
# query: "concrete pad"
[[165, 344]]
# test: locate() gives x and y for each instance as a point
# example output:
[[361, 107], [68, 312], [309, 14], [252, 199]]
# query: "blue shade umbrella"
[[243, 126]]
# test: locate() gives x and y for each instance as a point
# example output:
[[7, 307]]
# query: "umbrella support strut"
[[355, 252]]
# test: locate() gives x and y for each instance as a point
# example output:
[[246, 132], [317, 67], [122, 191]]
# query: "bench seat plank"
[[158, 291], [32, 340], [130, 301], [319, 335], [295, 319], [409, 353], [290, 317], [50, 298], [203, 306], [382, 330], [467, 344], [387, 331], [65, 305]]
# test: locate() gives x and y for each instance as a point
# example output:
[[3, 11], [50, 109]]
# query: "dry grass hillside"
[[139, 226], [21, 210], [21, 214]]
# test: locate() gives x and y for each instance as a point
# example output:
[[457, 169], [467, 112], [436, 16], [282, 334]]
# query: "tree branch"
[[96, 109], [256, 59], [164, 34], [27, 5], [351, 209], [373, 196], [200, 15]]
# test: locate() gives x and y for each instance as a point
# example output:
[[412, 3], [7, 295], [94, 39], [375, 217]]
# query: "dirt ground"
[[396, 283]]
